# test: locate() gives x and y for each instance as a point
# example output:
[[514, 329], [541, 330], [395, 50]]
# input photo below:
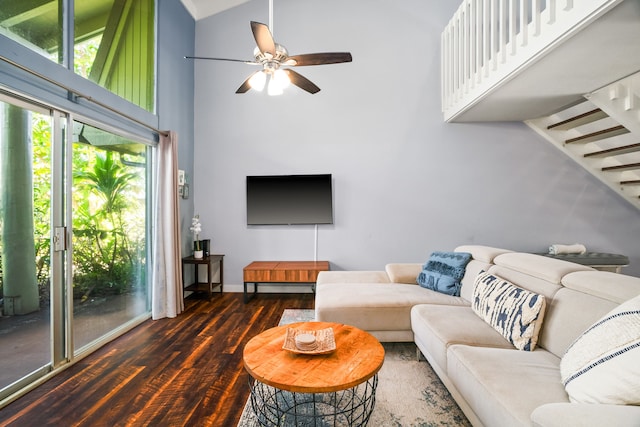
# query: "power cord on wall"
[[315, 246]]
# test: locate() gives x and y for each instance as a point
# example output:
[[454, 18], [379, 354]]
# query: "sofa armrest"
[[403, 272], [584, 414], [352, 277]]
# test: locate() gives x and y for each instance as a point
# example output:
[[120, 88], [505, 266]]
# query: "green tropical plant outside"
[[108, 247], [41, 134]]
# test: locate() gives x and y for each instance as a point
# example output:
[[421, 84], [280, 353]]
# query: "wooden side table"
[[338, 388], [281, 272], [209, 285]]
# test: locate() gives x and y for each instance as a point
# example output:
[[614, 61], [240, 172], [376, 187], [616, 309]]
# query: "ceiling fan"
[[275, 61]]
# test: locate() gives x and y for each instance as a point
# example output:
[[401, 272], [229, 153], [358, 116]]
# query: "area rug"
[[292, 315], [409, 392]]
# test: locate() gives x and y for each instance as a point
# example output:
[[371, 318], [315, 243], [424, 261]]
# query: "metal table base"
[[350, 407]]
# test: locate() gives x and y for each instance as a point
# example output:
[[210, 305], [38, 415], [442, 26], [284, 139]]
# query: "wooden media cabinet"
[[281, 272]]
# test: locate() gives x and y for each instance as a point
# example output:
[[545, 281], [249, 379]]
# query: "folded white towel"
[[576, 248]]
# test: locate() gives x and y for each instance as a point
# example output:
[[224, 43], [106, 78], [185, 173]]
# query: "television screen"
[[289, 199]]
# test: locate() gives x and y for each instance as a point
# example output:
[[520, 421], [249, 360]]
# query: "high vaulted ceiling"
[[203, 8]]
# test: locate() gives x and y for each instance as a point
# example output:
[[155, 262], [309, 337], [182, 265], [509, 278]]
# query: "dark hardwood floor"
[[185, 371]]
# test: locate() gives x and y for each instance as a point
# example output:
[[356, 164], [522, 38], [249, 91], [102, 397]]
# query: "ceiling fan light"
[[258, 80], [274, 88], [282, 78]]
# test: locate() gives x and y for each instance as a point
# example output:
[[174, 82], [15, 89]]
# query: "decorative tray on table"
[[309, 342]]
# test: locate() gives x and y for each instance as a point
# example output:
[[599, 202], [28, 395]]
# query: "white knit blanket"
[[558, 249]]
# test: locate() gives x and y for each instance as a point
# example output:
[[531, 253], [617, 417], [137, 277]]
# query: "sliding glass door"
[[25, 229], [74, 227], [109, 232]]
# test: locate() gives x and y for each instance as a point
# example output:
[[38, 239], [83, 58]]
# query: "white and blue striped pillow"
[[603, 364], [513, 311]]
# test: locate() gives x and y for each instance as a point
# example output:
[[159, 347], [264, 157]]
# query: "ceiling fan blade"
[[302, 82], [245, 86], [263, 37], [319, 58], [223, 59]]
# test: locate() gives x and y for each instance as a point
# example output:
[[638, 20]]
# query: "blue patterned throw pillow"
[[443, 272]]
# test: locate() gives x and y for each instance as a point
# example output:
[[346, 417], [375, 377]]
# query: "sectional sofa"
[[579, 363]]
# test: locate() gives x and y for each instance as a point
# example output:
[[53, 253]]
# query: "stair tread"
[[628, 166], [601, 134], [579, 120], [625, 149]]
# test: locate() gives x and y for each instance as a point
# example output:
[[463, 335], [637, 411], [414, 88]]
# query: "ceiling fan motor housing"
[[265, 57]]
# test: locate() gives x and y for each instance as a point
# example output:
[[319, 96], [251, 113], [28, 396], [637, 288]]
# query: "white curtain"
[[166, 289]]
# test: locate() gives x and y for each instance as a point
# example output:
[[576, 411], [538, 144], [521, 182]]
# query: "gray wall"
[[176, 34], [405, 182]]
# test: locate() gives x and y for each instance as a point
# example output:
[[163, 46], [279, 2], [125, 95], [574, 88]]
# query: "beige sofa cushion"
[[568, 315], [375, 306], [482, 253], [468, 281], [352, 277], [548, 269], [611, 286], [504, 386], [584, 414], [403, 272], [436, 327]]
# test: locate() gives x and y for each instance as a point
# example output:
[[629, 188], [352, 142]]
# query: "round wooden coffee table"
[[338, 388]]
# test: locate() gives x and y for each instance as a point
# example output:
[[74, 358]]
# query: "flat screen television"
[[289, 199]]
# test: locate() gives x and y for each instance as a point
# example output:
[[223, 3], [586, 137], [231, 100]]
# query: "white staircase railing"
[[487, 42], [621, 100]]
